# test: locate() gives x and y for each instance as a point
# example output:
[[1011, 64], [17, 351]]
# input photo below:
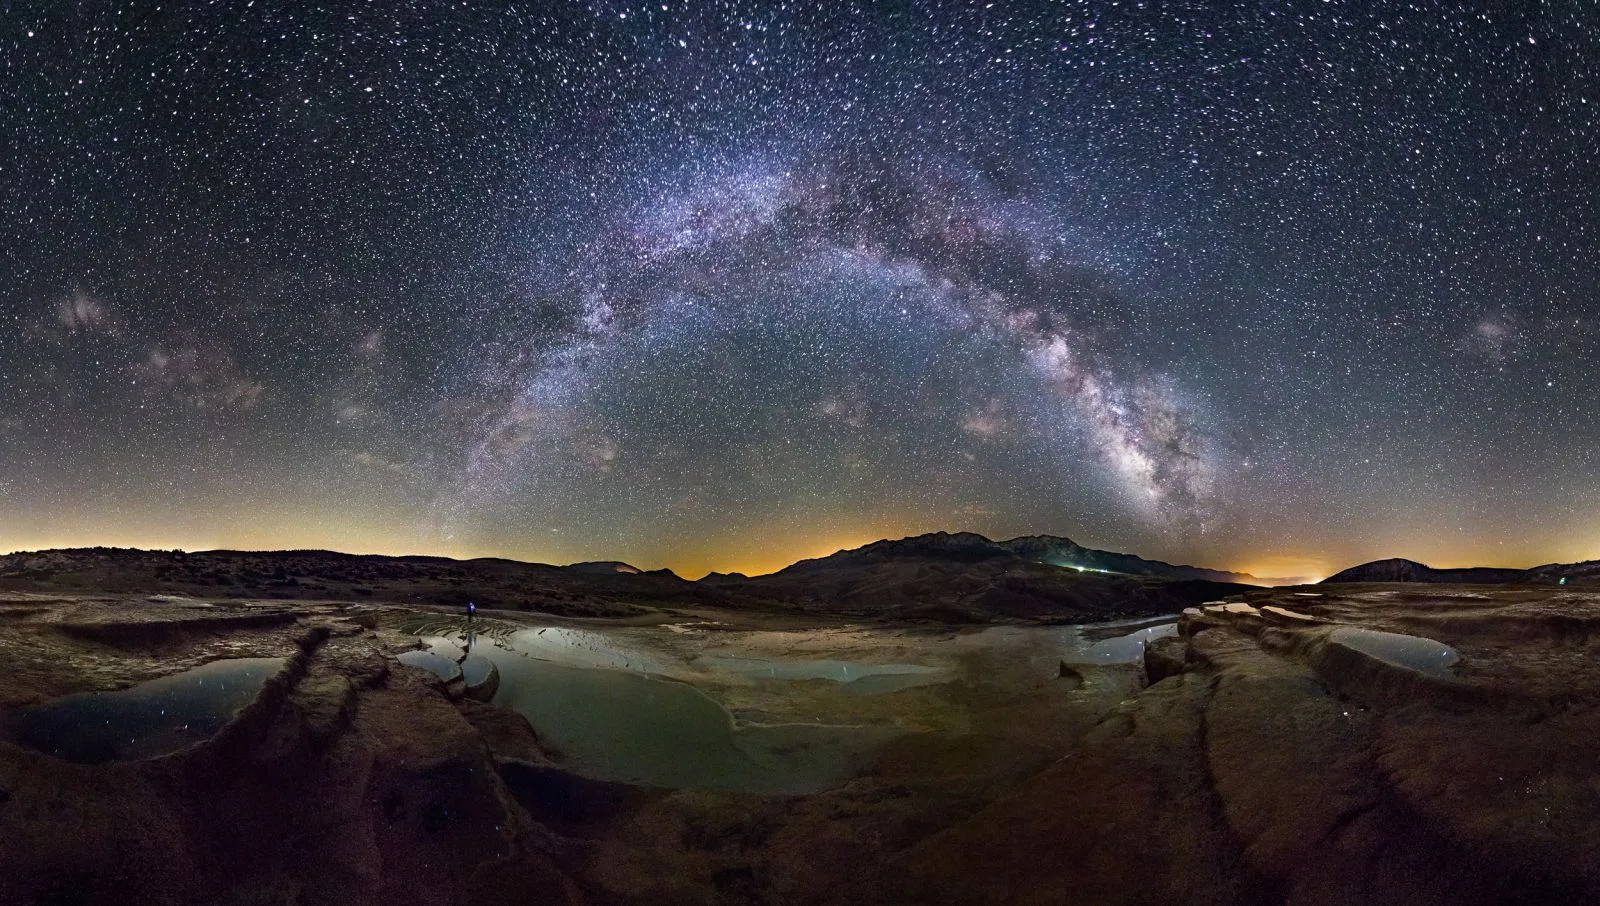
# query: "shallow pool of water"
[[1412, 651], [612, 706], [438, 664], [583, 648], [1123, 649], [1101, 644], [865, 679], [475, 669], [152, 718], [632, 727]]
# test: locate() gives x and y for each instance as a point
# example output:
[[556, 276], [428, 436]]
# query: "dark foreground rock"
[[344, 782], [1274, 767], [1290, 747]]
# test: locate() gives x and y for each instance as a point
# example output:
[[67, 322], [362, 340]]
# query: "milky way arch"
[[936, 239]]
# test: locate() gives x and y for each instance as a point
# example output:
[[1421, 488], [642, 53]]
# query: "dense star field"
[[1268, 286]]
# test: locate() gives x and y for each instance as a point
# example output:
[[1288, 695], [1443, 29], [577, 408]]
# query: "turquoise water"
[[152, 718]]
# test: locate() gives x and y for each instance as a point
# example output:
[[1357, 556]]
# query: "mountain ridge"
[[1053, 550], [965, 577], [943, 577], [1400, 569]]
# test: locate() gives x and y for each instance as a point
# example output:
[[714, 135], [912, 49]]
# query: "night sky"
[[1270, 286]]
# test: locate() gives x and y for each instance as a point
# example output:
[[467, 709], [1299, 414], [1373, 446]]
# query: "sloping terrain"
[[966, 578], [1290, 754], [1065, 552], [948, 578], [1291, 748], [1401, 570], [346, 780], [1046, 549], [584, 589]]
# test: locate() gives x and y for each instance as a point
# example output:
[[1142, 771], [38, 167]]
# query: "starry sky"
[[1271, 286]]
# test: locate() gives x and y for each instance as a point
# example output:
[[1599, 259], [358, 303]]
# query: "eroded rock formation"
[[1285, 747]]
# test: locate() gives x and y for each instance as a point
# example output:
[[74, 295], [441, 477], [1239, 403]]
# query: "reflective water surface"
[[618, 706], [1412, 651], [1121, 649], [434, 662], [626, 726], [152, 718], [866, 679]]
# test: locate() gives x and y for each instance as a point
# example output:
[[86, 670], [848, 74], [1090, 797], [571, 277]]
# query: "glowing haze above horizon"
[[1271, 287]]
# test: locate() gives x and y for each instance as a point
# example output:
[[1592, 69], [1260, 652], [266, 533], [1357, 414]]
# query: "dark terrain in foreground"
[[1262, 756]]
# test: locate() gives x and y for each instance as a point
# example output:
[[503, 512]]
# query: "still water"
[[152, 718], [863, 679], [1415, 652], [594, 706], [605, 707]]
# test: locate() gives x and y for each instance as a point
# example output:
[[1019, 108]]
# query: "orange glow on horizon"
[[758, 555], [762, 562], [1302, 568], [371, 530]]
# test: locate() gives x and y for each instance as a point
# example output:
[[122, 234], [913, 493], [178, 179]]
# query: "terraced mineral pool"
[[152, 718], [449, 662], [1086, 648], [433, 662], [632, 727], [1417, 653]]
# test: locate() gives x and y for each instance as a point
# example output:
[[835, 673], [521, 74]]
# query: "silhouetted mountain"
[[1065, 552], [967, 577], [587, 589], [1401, 570], [1585, 573], [1048, 549], [961, 577]]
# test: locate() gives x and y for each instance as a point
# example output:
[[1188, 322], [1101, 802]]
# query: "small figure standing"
[[472, 610]]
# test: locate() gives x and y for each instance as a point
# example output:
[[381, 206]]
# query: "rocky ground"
[[1272, 760], [1273, 764]]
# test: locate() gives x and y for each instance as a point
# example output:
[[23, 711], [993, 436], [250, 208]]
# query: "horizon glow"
[[721, 288]]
